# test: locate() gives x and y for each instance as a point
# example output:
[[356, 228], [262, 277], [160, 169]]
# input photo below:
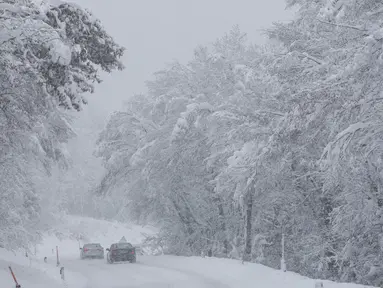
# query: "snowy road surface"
[[151, 271], [146, 273]]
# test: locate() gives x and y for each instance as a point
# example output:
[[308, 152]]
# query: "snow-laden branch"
[[358, 28], [316, 60]]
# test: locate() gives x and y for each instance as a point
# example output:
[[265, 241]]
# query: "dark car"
[[121, 252]]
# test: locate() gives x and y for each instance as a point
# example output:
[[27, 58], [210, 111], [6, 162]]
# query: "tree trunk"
[[218, 200], [222, 223], [248, 222], [223, 227], [184, 217]]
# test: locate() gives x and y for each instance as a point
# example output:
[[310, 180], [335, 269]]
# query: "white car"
[[92, 250]]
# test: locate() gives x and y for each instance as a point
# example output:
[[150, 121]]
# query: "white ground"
[[149, 271]]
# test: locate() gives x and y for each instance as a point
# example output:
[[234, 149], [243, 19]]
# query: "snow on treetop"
[[206, 106], [60, 52], [46, 5], [54, 3], [11, 8], [182, 123]]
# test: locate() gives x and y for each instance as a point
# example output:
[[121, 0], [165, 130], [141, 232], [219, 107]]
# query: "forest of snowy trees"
[[245, 143], [229, 152], [49, 56]]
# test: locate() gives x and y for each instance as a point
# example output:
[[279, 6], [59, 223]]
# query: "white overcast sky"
[[157, 31]]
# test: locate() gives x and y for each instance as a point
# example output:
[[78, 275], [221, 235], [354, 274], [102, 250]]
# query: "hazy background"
[[155, 32]]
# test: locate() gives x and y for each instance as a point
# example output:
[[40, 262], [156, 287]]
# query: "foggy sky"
[[156, 31]]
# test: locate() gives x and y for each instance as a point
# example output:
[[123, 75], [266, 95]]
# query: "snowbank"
[[233, 273], [30, 272]]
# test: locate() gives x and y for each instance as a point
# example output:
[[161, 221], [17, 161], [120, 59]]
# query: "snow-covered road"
[[150, 271], [147, 272]]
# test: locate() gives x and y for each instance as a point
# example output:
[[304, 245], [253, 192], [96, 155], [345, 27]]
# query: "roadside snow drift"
[[234, 274], [26, 272]]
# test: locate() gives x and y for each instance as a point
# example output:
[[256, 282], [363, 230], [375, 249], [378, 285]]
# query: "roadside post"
[[57, 256], [62, 273], [14, 277]]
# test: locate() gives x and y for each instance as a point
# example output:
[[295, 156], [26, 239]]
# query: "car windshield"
[[123, 245]]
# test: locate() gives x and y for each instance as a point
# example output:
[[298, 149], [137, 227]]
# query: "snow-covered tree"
[[248, 145], [49, 56]]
